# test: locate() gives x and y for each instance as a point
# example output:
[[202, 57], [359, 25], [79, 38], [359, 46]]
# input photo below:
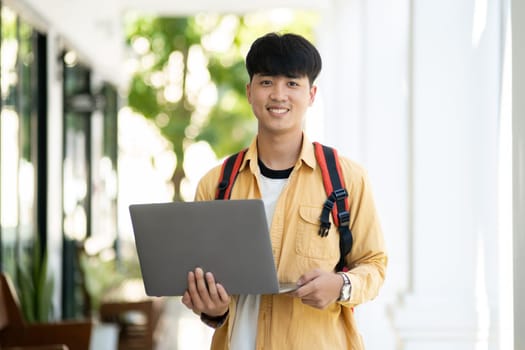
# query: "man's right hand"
[[204, 295]]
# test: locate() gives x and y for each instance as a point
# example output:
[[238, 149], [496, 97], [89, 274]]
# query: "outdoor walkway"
[[181, 329]]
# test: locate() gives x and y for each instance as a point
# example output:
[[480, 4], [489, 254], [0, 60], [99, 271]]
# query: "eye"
[[293, 83], [266, 82]]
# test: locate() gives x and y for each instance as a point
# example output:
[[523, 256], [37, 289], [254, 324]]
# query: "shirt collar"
[[307, 155]]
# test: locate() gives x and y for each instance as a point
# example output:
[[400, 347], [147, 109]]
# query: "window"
[[22, 129], [89, 178]]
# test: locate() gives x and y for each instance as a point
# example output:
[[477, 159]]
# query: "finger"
[[318, 304], [222, 293], [312, 298], [308, 276], [212, 288], [186, 300], [192, 290], [305, 290], [202, 288]]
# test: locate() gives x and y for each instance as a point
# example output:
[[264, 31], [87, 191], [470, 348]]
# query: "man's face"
[[280, 102]]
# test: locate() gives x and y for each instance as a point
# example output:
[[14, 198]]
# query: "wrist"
[[346, 288], [214, 321], [217, 313]]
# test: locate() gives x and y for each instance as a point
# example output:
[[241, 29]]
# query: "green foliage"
[[99, 276], [228, 124], [103, 274], [35, 287], [8, 21]]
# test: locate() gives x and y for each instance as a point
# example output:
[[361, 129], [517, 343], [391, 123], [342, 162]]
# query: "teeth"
[[278, 110]]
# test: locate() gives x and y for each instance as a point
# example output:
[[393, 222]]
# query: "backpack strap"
[[229, 171], [328, 161]]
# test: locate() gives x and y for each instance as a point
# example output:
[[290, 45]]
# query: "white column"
[[54, 176], [505, 193], [518, 119], [452, 300], [364, 86], [341, 40]]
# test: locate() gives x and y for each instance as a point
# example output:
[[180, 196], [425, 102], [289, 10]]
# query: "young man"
[[280, 167]]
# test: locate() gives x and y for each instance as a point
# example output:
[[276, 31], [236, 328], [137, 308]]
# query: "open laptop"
[[226, 237]]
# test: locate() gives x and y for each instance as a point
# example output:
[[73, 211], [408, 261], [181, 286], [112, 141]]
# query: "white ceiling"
[[94, 28]]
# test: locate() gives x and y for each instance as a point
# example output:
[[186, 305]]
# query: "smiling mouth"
[[278, 110]]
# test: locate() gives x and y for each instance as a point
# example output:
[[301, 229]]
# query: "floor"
[[181, 329]]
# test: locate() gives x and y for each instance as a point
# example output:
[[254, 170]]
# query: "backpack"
[[334, 186]]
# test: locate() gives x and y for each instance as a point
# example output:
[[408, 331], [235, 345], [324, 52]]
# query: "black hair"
[[288, 54]]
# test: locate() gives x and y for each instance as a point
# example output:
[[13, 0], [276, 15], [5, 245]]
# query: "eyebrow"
[[288, 75]]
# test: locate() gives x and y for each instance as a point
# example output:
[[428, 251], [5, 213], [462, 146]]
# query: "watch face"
[[345, 293]]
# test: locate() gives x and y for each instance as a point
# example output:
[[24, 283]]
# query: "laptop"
[[229, 238]]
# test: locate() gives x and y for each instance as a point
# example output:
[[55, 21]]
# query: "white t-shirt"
[[244, 330]]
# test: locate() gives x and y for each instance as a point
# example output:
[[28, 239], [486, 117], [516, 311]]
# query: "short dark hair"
[[288, 54]]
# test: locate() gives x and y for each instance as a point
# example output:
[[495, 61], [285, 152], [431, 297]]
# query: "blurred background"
[[109, 103]]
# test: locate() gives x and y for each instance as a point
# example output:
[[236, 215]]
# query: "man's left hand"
[[318, 288]]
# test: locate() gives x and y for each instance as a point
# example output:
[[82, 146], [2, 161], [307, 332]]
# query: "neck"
[[279, 152]]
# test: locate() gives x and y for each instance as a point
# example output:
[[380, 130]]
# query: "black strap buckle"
[[344, 218], [328, 204], [223, 184], [324, 228], [340, 193]]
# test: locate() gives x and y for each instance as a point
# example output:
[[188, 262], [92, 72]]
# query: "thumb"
[[308, 276]]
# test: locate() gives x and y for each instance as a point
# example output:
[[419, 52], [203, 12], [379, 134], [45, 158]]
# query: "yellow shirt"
[[285, 322]]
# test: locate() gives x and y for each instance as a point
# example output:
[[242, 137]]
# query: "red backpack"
[[334, 186]]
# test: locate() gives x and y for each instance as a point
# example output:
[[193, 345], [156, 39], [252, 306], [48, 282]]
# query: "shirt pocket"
[[308, 242]]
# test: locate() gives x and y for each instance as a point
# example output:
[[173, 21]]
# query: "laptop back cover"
[[226, 237]]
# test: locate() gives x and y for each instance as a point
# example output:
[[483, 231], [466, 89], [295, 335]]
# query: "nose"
[[278, 92]]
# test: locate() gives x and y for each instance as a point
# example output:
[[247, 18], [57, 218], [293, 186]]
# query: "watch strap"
[[346, 284], [214, 321]]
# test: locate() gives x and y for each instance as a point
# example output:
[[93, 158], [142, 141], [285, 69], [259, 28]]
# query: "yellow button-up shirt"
[[285, 322]]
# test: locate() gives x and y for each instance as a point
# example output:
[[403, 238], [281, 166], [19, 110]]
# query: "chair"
[[42, 347], [136, 315], [17, 334]]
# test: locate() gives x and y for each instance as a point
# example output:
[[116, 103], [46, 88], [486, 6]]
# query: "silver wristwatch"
[[346, 289]]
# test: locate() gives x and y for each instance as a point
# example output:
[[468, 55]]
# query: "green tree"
[[172, 89]]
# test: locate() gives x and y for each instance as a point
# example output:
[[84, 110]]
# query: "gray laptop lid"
[[226, 237]]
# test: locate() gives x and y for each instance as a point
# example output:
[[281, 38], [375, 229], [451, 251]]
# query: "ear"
[[313, 92], [249, 92]]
